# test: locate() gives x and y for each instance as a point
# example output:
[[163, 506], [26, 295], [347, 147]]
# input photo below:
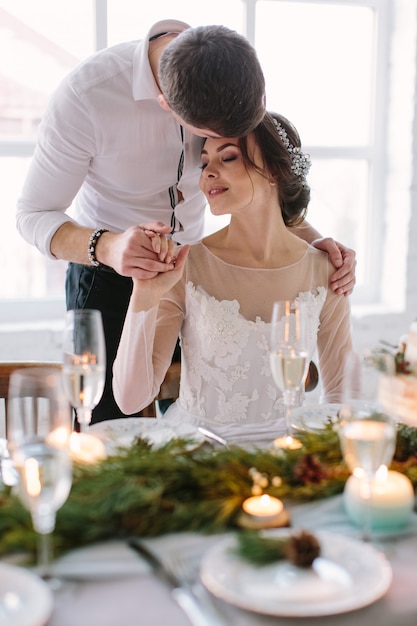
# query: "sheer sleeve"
[[144, 354], [333, 344]]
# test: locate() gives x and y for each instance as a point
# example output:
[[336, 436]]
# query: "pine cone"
[[302, 549], [309, 470]]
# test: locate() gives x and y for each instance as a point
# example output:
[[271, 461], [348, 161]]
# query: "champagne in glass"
[[289, 355], [367, 442], [84, 362], [39, 428]]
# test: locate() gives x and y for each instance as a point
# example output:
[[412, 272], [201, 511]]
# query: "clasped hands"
[[146, 251]]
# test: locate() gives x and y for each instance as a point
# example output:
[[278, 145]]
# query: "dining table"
[[110, 584], [120, 587]]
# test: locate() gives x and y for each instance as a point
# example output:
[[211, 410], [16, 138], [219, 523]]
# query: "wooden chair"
[[6, 370], [169, 388]]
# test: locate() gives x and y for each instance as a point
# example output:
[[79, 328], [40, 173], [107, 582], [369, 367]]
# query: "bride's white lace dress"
[[222, 313]]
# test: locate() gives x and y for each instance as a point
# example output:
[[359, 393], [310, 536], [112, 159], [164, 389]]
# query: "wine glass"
[[39, 427], [289, 357], [84, 366], [367, 434]]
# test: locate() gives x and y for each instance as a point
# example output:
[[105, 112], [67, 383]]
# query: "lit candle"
[[86, 448], [287, 443], [263, 506], [59, 437], [33, 483], [392, 500]]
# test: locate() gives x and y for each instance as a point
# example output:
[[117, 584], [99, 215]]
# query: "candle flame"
[[382, 473], [86, 448], [287, 443], [33, 483], [264, 500], [75, 442], [58, 438], [85, 359]]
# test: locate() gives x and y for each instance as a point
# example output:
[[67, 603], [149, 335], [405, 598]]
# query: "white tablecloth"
[[122, 591]]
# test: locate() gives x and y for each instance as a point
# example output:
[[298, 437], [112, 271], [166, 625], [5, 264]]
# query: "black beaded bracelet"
[[92, 242]]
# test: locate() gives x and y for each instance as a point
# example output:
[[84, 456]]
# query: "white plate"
[[314, 418], [157, 431], [347, 575], [25, 600], [101, 561]]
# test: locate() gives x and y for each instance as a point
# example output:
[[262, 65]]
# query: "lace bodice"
[[226, 377], [221, 313]]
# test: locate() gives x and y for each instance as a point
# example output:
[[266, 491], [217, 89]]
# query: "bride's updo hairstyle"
[[284, 164]]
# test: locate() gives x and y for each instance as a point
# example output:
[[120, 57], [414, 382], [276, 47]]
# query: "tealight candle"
[[287, 443], [59, 437], [392, 500], [263, 512], [86, 448], [263, 506]]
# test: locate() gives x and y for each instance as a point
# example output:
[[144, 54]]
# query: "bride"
[[220, 294]]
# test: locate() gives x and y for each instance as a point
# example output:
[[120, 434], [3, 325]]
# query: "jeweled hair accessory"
[[301, 162]]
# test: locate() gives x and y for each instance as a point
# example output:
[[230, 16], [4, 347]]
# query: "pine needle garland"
[[146, 491]]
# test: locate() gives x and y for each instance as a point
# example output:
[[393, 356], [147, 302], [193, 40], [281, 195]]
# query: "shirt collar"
[[144, 85]]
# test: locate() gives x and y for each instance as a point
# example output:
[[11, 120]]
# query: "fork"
[[186, 571], [174, 572]]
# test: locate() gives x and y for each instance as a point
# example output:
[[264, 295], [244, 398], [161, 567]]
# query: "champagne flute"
[[289, 357], [39, 428], [367, 434], [84, 367]]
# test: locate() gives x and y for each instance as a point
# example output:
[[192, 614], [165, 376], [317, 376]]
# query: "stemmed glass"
[[84, 367], [38, 429], [289, 357], [367, 434]]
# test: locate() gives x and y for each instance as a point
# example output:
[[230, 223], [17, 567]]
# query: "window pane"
[[317, 60], [127, 19], [339, 201], [24, 271], [40, 42]]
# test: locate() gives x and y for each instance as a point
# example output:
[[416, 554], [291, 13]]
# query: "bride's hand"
[[162, 245], [147, 293]]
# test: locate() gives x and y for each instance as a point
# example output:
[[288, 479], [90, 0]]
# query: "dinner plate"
[[25, 600], [157, 431], [348, 575], [313, 418], [101, 561]]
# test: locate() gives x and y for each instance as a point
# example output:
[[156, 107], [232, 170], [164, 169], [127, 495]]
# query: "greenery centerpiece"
[[146, 491]]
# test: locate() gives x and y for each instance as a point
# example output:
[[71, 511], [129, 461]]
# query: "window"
[[330, 67], [37, 48], [330, 107]]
